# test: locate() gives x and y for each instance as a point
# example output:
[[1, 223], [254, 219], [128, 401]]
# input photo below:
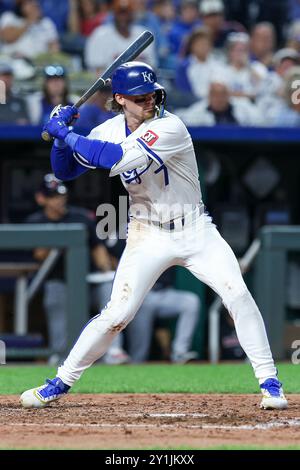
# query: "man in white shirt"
[[109, 40], [221, 109], [28, 33]]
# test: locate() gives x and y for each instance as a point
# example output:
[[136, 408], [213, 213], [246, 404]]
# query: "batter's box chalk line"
[[247, 427]]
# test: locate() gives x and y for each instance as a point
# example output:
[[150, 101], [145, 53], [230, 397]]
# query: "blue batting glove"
[[66, 113], [56, 127]]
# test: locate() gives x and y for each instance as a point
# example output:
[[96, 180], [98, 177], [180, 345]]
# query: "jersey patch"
[[149, 138]]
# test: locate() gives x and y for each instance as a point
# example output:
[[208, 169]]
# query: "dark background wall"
[[246, 183]]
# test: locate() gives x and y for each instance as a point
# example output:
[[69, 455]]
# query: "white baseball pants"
[[149, 251]]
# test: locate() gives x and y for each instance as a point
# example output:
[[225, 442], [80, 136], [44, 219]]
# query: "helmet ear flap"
[[160, 97], [160, 100]]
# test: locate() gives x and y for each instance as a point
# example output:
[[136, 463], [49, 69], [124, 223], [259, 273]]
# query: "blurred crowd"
[[233, 62]]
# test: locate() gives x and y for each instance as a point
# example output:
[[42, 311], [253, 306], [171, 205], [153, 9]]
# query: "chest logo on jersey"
[[149, 138], [134, 176]]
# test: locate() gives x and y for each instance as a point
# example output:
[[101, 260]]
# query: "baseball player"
[[153, 153]]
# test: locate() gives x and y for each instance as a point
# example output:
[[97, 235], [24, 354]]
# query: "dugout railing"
[[270, 280], [214, 312], [269, 254], [72, 240]]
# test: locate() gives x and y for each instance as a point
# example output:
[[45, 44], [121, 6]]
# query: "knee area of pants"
[[117, 317], [118, 326], [242, 303]]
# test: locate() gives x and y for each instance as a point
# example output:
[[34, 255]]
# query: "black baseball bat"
[[132, 51]]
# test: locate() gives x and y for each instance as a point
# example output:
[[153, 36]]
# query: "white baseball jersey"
[[167, 186]]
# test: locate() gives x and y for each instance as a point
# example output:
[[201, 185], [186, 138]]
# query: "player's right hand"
[[67, 113], [56, 127]]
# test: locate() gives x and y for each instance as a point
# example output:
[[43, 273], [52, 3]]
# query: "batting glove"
[[56, 127], [66, 113]]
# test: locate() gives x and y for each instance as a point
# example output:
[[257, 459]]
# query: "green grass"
[[151, 378], [157, 378]]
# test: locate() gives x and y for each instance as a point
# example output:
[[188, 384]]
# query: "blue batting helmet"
[[135, 78]]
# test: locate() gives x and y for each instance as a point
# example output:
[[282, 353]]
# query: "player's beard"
[[135, 117], [149, 113]]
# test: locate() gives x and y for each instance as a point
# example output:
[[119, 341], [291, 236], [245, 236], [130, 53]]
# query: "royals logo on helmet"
[[149, 138], [148, 77]]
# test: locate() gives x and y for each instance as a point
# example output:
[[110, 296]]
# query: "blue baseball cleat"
[[42, 396], [273, 396]]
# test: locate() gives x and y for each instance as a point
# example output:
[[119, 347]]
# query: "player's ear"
[[119, 99]]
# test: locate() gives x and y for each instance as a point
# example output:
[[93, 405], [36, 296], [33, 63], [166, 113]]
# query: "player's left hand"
[[67, 113], [56, 127]]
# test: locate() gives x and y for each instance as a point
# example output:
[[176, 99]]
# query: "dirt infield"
[[134, 421]]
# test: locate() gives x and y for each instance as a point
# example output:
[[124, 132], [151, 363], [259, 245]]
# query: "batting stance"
[[153, 153]]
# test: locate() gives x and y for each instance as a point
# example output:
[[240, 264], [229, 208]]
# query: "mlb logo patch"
[[149, 138]]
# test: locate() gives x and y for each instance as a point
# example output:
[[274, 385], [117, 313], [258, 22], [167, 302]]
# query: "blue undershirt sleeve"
[[64, 165], [98, 153]]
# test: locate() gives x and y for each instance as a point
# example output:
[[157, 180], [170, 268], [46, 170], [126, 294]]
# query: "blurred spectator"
[[52, 198], [272, 98], [221, 109], [13, 108], [94, 112], [241, 11], [26, 33], [55, 91], [109, 41], [166, 14], [294, 10], [244, 78], [85, 16], [187, 21], [145, 17], [275, 12], [293, 36], [263, 43], [6, 5], [213, 15], [283, 60], [287, 113], [196, 71], [58, 12]]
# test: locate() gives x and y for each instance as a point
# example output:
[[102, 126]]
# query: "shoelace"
[[273, 387], [56, 389]]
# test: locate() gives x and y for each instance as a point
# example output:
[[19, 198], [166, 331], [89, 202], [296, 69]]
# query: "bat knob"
[[46, 136]]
